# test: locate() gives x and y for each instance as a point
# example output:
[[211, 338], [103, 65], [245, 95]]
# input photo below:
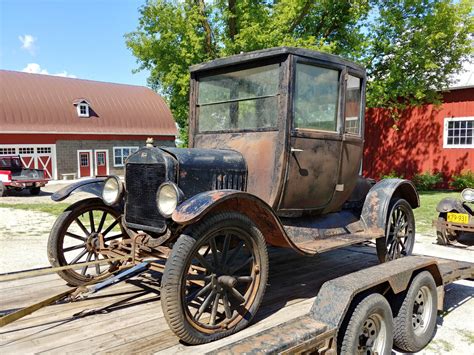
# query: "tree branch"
[[232, 19], [206, 26], [301, 16]]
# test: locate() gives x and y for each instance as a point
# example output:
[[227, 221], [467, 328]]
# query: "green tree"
[[410, 47]]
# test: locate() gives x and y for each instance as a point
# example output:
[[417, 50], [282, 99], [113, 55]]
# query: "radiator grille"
[[142, 182]]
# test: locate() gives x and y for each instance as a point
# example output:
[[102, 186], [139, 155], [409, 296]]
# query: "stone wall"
[[66, 153]]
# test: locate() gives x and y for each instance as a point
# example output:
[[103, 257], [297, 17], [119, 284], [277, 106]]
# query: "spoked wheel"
[[400, 232], [215, 278], [370, 328], [74, 239], [416, 320], [443, 236]]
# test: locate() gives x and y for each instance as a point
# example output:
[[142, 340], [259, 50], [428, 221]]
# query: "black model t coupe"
[[275, 151]]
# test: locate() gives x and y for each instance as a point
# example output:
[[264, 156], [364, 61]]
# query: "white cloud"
[[35, 68], [28, 43]]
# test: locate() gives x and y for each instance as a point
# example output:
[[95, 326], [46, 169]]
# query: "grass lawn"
[[427, 210], [423, 215], [53, 208]]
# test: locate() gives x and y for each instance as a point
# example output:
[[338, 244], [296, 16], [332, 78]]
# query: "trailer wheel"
[[416, 321], [35, 191], [74, 239], [399, 232], [370, 328], [215, 278]]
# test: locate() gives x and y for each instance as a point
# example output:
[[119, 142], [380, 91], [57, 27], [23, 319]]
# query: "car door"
[[315, 139]]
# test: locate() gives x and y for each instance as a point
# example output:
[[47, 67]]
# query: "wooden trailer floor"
[[127, 318]]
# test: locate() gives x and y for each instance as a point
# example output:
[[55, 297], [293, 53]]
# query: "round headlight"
[[112, 190], [468, 195], [167, 198]]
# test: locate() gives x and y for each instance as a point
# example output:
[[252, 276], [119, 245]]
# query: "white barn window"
[[458, 132], [121, 153], [83, 110]]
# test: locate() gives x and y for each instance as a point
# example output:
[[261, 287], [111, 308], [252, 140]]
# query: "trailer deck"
[[128, 317]]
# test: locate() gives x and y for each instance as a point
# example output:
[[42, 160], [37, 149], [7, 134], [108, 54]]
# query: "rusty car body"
[[275, 151]]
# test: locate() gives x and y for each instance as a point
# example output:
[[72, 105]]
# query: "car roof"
[[275, 52]]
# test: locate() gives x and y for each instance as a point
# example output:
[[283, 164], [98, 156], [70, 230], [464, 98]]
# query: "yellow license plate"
[[461, 218]]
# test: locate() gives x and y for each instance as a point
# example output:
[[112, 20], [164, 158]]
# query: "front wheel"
[[370, 328], [215, 278], [35, 191], [399, 237], [443, 236], [3, 190]]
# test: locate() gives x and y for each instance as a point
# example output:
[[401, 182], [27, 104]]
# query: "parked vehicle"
[[456, 217], [276, 143], [14, 176]]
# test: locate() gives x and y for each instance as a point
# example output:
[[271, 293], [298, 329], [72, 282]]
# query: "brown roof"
[[36, 103]]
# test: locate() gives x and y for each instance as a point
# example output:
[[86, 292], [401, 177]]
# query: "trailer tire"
[[370, 323], [416, 320], [180, 301]]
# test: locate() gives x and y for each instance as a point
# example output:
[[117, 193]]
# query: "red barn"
[[428, 138], [78, 127]]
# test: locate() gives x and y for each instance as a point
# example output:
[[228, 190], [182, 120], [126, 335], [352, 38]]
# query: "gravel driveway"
[[24, 234]]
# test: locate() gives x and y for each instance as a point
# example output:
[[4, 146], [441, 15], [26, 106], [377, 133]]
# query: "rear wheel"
[[215, 278], [370, 328], [399, 237], [74, 239], [416, 320], [35, 191]]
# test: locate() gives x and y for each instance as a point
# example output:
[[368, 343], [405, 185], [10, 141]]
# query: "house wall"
[[416, 146]]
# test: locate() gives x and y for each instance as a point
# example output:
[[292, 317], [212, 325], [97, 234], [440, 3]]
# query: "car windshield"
[[239, 100]]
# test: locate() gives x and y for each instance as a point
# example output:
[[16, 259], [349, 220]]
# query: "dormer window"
[[83, 110], [82, 107]]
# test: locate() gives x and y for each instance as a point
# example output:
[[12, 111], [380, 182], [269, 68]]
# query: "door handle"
[[293, 150]]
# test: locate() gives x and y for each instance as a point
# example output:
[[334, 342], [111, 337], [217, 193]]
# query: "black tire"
[[416, 320], [3, 190], [399, 237], [232, 238], [443, 236], [66, 229], [370, 325], [35, 191]]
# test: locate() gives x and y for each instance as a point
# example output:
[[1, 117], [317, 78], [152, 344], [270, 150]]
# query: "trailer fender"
[[451, 205], [377, 201], [92, 186], [197, 207], [395, 275]]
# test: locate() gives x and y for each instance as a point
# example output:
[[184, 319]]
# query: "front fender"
[[92, 186], [450, 204], [377, 202], [200, 205]]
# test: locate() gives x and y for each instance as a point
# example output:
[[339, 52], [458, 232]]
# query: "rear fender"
[[92, 186], [375, 209], [203, 204]]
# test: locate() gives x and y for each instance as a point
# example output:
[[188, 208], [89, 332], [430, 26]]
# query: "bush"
[[463, 180], [392, 175], [427, 181]]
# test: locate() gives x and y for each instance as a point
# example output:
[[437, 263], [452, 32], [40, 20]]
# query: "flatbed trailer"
[[308, 300]]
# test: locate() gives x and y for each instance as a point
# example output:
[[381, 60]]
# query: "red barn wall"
[[417, 145]]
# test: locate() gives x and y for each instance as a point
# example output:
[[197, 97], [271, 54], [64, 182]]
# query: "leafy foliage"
[[427, 181], [463, 180], [392, 175], [410, 47]]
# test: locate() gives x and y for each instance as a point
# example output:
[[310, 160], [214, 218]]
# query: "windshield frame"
[[195, 81]]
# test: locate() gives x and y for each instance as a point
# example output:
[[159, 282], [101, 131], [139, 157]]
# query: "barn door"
[[84, 163]]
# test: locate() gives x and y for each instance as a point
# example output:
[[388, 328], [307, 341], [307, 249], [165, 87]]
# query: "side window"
[[316, 98], [353, 97]]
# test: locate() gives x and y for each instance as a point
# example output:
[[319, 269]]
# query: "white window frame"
[[122, 148], [445, 133], [83, 104]]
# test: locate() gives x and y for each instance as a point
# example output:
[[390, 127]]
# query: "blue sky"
[[81, 38]]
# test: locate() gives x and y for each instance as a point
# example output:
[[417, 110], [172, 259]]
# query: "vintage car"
[[13, 176], [456, 218], [275, 151]]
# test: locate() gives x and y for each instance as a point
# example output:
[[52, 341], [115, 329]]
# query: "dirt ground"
[[24, 235]]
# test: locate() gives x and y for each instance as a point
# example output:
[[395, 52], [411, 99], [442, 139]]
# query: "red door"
[[101, 163], [84, 164]]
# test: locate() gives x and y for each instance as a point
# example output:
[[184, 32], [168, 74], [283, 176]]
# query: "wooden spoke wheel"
[[215, 278], [400, 232], [74, 239]]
